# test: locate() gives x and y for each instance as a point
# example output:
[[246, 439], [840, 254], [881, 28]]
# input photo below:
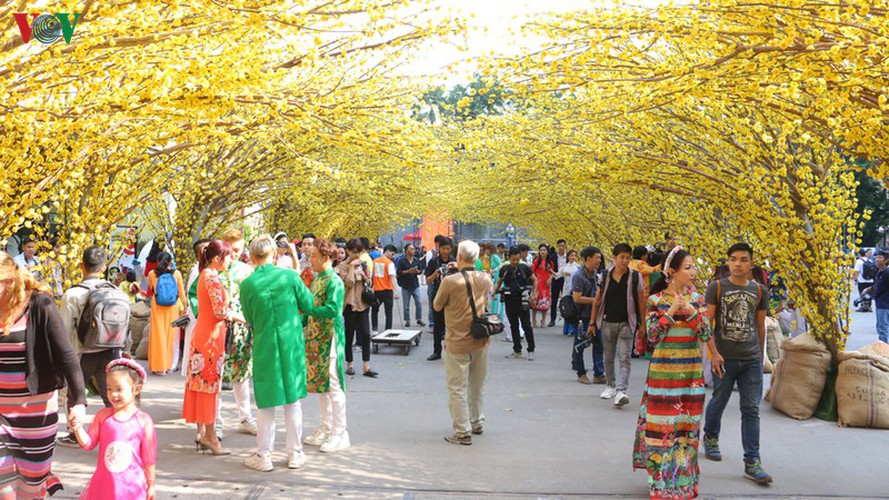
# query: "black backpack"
[[868, 270], [105, 320], [568, 309]]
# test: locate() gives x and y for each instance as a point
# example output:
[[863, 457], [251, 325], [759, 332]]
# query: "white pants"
[[465, 375], [333, 403], [189, 330], [293, 420], [176, 334], [242, 402]]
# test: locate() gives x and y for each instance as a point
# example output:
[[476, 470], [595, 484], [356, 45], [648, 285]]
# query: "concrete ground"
[[546, 436]]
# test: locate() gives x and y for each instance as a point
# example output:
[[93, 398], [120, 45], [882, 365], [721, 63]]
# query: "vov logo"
[[46, 28]]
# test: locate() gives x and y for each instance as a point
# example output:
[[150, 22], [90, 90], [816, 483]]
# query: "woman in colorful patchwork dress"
[[668, 429], [325, 350], [239, 359], [208, 347], [35, 354]]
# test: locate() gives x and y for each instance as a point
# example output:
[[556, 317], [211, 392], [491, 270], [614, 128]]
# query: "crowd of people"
[[283, 316]]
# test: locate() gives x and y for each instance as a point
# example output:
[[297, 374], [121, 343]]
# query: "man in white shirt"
[[560, 260], [864, 272], [27, 260]]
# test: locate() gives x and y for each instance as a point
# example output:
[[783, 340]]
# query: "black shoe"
[[421, 323], [371, 374], [227, 386], [68, 441], [433, 357], [350, 371], [407, 324], [551, 324]]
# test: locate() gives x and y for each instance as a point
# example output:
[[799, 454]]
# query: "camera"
[[281, 244]]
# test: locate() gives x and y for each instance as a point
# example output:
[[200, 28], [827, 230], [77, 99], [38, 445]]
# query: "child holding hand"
[[125, 436]]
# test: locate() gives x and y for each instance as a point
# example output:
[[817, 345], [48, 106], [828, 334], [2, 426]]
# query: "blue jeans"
[[883, 324], [415, 294], [748, 374], [577, 363], [569, 328]]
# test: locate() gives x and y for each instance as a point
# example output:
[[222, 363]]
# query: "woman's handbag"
[[485, 325], [367, 295]]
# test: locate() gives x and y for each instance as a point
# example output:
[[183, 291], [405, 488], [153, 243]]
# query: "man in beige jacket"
[[466, 358]]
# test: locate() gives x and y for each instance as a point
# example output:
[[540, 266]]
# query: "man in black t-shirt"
[[435, 271], [408, 269], [517, 279], [737, 309]]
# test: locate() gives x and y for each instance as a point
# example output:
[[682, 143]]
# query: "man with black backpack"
[[97, 315], [584, 283], [865, 272]]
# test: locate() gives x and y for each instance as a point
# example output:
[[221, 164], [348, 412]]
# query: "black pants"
[[556, 290], [438, 331], [515, 313], [357, 323], [93, 365], [384, 297]]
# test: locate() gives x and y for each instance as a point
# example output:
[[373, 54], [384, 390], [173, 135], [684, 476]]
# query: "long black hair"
[[676, 264], [164, 264]]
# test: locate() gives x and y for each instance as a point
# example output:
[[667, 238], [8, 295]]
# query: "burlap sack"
[[142, 347], [798, 378], [774, 339], [863, 389], [140, 315]]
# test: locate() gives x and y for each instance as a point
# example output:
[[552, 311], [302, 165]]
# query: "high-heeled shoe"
[[199, 446], [217, 450]]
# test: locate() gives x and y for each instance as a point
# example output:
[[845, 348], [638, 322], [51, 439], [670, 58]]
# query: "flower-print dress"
[[239, 360], [207, 351], [324, 322]]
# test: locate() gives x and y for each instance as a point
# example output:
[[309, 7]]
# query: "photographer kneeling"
[[519, 282], [466, 357]]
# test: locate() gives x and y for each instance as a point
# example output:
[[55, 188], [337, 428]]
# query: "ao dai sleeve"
[[93, 435], [659, 322], [148, 447], [218, 296], [700, 321], [333, 307]]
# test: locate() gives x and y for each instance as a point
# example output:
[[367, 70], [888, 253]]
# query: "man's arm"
[[761, 330], [441, 297], [717, 362]]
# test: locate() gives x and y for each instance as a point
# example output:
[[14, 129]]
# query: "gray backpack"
[[105, 320]]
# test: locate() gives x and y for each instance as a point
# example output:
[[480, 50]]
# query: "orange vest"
[[382, 280]]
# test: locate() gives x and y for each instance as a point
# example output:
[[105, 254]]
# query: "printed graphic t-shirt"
[[735, 330]]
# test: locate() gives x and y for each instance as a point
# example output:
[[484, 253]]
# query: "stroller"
[[864, 301]]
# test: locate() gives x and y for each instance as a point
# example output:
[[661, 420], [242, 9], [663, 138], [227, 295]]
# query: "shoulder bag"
[[485, 325]]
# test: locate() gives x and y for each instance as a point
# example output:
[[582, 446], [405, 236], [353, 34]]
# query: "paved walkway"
[[546, 436]]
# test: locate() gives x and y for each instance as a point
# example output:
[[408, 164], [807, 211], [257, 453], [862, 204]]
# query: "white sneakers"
[[621, 399], [247, 427], [262, 463], [336, 442], [319, 437], [296, 460], [327, 441]]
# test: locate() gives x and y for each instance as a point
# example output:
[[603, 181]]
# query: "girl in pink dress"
[[125, 436]]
